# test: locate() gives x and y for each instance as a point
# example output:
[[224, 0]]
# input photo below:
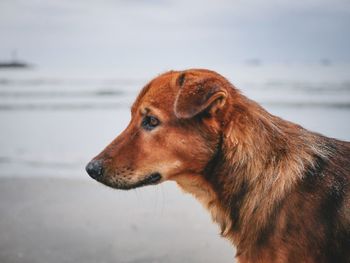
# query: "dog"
[[279, 192]]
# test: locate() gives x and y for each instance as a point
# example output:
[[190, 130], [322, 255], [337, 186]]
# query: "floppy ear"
[[196, 96]]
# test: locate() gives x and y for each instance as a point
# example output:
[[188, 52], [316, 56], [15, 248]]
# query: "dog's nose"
[[94, 169]]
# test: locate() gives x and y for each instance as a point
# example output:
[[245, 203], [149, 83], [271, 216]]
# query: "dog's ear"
[[198, 95]]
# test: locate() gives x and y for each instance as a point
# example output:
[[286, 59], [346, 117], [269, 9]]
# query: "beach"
[[64, 220], [53, 123]]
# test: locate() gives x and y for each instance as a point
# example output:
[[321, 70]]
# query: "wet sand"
[[69, 220]]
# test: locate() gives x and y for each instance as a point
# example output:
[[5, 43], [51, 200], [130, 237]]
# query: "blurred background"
[[69, 71]]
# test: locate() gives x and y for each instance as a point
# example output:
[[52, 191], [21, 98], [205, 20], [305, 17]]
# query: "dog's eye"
[[149, 123]]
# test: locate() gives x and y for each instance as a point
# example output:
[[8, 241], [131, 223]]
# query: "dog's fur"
[[279, 192]]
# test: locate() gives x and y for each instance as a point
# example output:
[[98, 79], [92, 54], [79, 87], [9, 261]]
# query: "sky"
[[156, 33]]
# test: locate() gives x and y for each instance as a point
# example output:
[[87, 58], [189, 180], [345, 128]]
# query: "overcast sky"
[[136, 33]]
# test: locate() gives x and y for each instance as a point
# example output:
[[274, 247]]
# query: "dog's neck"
[[259, 153]]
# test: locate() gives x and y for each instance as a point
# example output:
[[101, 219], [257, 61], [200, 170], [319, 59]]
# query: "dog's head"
[[175, 130]]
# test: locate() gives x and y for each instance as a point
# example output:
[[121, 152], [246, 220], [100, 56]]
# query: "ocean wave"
[[42, 81], [313, 104], [68, 94], [93, 106], [306, 87], [62, 106]]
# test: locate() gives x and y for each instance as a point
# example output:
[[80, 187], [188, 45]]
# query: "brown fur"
[[280, 193]]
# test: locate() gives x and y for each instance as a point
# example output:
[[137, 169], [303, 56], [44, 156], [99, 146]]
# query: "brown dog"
[[279, 192]]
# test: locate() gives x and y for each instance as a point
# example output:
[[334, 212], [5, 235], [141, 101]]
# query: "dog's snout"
[[94, 169]]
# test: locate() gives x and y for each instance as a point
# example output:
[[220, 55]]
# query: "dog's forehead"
[[160, 93]]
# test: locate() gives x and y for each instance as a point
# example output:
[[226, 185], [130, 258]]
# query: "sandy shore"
[[64, 220]]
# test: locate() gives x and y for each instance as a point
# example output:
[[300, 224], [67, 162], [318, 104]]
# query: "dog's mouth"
[[150, 179]]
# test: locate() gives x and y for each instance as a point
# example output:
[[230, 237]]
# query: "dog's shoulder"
[[327, 184]]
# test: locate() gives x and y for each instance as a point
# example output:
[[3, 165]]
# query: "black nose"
[[94, 169]]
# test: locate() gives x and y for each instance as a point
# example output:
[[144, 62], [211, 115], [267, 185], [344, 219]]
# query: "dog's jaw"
[[151, 179]]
